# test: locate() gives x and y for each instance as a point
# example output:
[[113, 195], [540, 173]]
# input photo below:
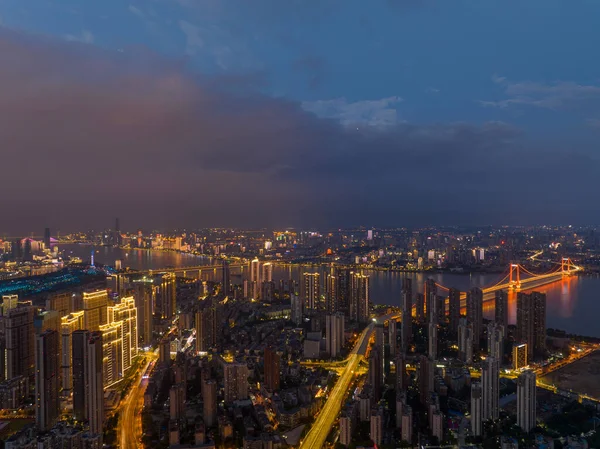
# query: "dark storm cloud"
[[88, 134]]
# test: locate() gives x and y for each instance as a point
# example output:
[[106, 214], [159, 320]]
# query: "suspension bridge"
[[519, 278]]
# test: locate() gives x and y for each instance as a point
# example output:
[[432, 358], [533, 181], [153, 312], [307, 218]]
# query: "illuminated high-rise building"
[[392, 336], [125, 312], [526, 401], [272, 367], [431, 306], [343, 291], [112, 353], [88, 382], [406, 313], [9, 302], [490, 384], [465, 341], [47, 374], [475, 313], [69, 324], [476, 409], [376, 426], [519, 356], [311, 291], [426, 376], [225, 277], [297, 306], [495, 334], [255, 279], [236, 381], [334, 334], [62, 302], [267, 272], [332, 298], [144, 293], [453, 310], [95, 305], [359, 297], [501, 309], [19, 348], [206, 329], [531, 322], [177, 401], [432, 340], [167, 293]]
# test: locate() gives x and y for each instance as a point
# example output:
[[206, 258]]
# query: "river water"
[[573, 304]]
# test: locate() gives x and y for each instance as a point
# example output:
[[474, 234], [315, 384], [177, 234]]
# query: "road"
[[130, 420], [315, 439]]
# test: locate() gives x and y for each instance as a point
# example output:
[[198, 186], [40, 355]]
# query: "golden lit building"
[[69, 324], [94, 304]]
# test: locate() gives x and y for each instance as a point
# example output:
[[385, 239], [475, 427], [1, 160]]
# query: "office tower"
[[297, 307], [345, 430], [47, 238], [61, 302], [9, 302], [69, 324], [407, 424], [334, 334], [430, 293], [225, 277], [144, 294], [453, 310], [465, 341], [531, 322], [177, 401], [343, 290], [526, 401], [495, 334], [167, 293], [88, 384], [376, 372], [475, 313], [359, 297], [401, 377], [19, 343], [476, 409], [331, 301], [272, 368], [490, 385], [47, 373], [420, 307], [519, 356], [209, 402], [393, 336], [311, 291], [376, 426], [236, 381], [432, 340], [255, 278], [426, 375], [95, 305], [206, 328], [437, 425], [501, 309]]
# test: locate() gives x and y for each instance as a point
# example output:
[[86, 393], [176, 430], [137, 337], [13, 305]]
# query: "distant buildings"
[[526, 401]]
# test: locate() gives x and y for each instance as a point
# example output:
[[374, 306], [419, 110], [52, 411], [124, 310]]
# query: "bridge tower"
[[514, 281], [565, 266]]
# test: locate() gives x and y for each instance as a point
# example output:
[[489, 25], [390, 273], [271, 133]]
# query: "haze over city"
[[317, 113]]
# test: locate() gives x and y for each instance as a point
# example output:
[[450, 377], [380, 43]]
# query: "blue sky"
[[378, 66]]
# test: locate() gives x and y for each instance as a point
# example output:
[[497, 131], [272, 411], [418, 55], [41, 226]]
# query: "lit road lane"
[[318, 433], [130, 420]]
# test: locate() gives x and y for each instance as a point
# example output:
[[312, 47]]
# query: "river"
[[572, 304]]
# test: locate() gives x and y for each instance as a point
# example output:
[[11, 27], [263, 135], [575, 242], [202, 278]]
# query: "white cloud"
[[85, 37], [557, 95], [194, 41], [138, 12], [377, 113]]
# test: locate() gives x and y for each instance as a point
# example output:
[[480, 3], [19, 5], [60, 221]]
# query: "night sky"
[[191, 113]]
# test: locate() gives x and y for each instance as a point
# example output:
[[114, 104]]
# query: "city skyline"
[[309, 115]]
